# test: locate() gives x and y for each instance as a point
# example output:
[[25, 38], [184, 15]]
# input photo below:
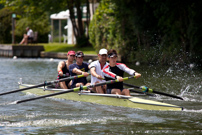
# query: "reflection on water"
[[56, 116]]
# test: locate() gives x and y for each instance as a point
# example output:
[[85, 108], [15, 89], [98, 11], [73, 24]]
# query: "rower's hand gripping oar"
[[43, 84], [149, 90], [72, 90]]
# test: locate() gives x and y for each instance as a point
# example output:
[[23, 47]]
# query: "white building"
[[65, 15]]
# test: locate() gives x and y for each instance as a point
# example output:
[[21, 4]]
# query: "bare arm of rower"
[[79, 72], [129, 71], [60, 66], [93, 73]]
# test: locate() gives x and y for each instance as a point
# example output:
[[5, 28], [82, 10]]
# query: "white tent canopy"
[[63, 15]]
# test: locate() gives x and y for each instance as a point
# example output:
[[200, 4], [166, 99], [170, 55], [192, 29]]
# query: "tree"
[[34, 14], [76, 13], [32, 10], [150, 31], [5, 25]]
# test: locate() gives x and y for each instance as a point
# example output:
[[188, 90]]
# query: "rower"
[[96, 71], [79, 68], [115, 71], [63, 70]]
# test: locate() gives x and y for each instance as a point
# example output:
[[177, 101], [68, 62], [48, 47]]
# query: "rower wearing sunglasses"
[[79, 68], [116, 71]]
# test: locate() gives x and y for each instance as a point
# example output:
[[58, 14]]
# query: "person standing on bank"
[[28, 36], [96, 71], [79, 68], [116, 71], [63, 69]]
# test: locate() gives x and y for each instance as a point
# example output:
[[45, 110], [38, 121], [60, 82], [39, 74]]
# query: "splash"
[[186, 90]]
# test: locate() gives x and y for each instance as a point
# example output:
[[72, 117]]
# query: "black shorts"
[[74, 85], [30, 38], [109, 91]]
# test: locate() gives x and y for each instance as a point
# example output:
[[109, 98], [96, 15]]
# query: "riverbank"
[[35, 51], [55, 50]]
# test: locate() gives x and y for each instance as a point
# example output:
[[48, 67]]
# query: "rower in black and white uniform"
[[116, 71]]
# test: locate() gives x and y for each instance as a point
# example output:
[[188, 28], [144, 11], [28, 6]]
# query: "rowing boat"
[[105, 99]]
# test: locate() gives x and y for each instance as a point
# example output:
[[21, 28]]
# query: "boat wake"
[[55, 122], [195, 111]]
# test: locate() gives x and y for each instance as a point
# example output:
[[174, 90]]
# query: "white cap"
[[103, 51]]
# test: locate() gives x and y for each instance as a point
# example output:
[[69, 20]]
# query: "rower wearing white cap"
[[96, 71]]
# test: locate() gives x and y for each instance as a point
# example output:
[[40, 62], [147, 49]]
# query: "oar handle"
[[69, 78], [126, 78], [110, 82]]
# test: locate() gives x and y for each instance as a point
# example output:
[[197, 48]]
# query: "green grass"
[[61, 47]]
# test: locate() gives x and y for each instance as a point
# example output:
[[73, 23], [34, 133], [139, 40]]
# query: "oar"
[[43, 84], [140, 92], [129, 85], [71, 90], [145, 89]]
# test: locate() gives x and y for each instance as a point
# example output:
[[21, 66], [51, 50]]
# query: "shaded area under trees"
[[150, 31]]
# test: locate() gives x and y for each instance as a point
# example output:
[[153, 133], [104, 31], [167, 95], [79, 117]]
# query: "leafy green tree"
[[5, 25], [31, 12], [34, 14], [150, 31]]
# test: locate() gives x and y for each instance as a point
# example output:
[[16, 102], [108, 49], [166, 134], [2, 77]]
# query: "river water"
[[57, 116]]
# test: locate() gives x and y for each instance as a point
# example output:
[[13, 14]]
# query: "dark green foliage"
[[5, 25], [82, 41], [150, 31], [32, 13]]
